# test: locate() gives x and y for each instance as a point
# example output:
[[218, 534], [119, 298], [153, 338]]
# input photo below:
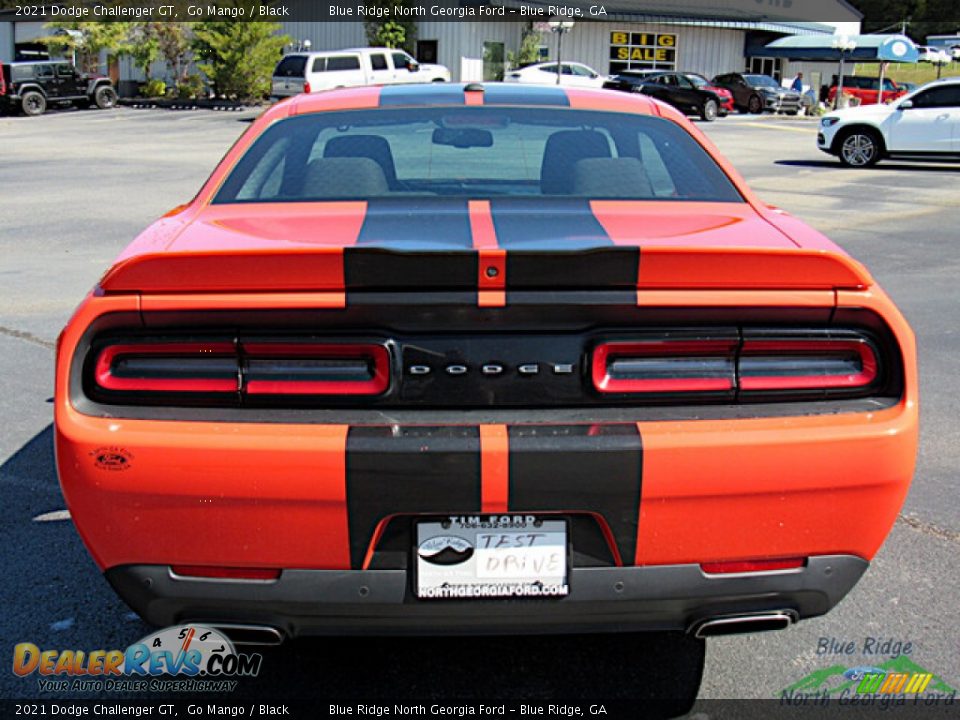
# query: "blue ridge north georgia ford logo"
[[445, 550]]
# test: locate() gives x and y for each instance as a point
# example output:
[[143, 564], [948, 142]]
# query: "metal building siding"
[[326, 35], [451, 44], [6, 41], [460, 44]]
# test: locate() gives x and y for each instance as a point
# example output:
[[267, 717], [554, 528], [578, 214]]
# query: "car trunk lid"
[[499, 245]]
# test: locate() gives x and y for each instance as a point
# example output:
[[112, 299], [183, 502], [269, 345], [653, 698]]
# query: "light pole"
[[560, 27], [844, 45]]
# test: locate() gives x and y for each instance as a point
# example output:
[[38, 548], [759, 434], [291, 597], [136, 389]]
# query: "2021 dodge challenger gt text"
[[483, 359]]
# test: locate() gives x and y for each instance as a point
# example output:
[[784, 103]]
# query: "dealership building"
[[627, 36]]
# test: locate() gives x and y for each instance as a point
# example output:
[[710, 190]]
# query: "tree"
[[390, 31], [238, 57], [87, 40], [173, 42], [143, 46], [923, 17], [529, 51]]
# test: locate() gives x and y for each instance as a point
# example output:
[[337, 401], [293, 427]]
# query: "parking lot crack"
[[926, 528], [27, 337]]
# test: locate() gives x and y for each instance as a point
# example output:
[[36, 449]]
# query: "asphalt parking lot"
[[76, 186]]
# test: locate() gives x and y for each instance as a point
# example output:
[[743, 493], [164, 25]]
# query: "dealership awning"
[[819, 48]]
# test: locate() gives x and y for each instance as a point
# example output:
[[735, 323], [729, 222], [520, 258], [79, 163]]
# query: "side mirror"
[[413, 66], [905, 105], [594, 75]]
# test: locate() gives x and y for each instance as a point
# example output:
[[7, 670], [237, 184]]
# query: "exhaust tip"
[[737, 624], [251, 634]]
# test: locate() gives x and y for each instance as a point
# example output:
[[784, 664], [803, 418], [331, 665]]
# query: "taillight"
[[241, 368], [306, 369], [168, 367], [806, 364], [306, 87], [758, 366], [665, 366]]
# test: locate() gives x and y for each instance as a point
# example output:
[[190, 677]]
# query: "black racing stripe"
[[580, 468], [431, 94], [598, 269], [559, 243], [413, 243], [545, 223], [388, 270], [416, 223], [406, 470], [524, 95]]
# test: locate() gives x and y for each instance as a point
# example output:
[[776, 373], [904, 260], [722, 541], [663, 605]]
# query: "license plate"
[[490, 556]]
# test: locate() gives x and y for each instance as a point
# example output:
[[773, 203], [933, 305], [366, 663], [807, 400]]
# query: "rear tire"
[[860, 148], [33, 103], [755, 105], [709, 110], [105, 97]]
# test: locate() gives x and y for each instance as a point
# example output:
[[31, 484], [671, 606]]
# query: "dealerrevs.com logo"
[[182, 658]]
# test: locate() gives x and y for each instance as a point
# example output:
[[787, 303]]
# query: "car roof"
[[455, 95]]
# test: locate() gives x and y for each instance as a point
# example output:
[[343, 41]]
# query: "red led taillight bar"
[[768, 365], [307, 369], [168, 367], [258, 368], [806, 364], [664, 366]]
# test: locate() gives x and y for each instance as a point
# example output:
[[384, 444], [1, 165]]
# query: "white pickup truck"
[[308, 72]]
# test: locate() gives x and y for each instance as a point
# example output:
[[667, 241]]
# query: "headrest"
[[343, 177]]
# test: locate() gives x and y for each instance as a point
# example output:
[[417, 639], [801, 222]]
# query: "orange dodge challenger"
[[483, 359]]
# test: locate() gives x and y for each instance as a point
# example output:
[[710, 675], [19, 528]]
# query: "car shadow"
[[886, 165], [55, 597]]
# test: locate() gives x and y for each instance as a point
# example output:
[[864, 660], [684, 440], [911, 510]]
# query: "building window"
[[427, 51], [766, 66], [642, 51]]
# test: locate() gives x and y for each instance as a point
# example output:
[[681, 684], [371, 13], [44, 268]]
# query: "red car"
[[483, 358], [866, 89], [726, 97]]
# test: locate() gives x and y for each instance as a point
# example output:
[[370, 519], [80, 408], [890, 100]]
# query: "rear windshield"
[[291, 66], [475, 152]]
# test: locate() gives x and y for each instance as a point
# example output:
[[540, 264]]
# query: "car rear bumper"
[[345, 602]]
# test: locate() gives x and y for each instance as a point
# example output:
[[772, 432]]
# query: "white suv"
[[922, 125], [306, 72]]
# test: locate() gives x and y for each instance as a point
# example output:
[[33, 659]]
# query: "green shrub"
[[192, 87], [154, 88]]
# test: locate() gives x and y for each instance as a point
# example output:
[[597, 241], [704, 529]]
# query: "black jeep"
[[33, 86]]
